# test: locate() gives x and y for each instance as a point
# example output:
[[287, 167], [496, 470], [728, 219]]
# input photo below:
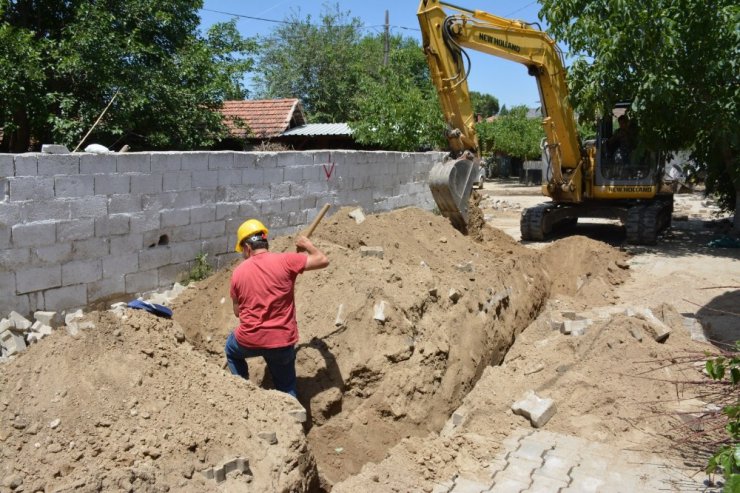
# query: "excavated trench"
[[393, 338]]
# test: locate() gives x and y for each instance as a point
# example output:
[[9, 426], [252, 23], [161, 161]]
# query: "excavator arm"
[[447, 30]]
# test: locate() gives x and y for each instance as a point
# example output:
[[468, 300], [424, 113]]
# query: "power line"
[[521, 8], [289, 22]]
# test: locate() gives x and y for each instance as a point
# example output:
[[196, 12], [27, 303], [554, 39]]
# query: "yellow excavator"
[[592, 179]]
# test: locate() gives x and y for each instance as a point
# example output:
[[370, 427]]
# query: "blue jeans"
[[280, 363]]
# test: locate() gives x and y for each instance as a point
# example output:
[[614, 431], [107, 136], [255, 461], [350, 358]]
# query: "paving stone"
[[536, 409], [542, 484], [358, 216], [519, 469], [531, 448], [506, 485], [557, 468], [12, 343], [464, 485]]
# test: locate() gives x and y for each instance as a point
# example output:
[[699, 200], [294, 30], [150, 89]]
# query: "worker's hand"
[[303, 244]]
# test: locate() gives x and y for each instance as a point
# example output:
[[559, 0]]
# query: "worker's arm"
[[316, 258]]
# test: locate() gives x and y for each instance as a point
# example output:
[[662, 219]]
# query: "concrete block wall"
[[78, 228]]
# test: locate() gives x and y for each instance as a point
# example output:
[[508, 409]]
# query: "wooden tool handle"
[[316, 221]]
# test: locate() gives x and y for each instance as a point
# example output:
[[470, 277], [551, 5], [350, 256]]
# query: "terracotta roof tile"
[[265, 117]]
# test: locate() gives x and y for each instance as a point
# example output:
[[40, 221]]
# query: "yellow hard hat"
[[248, 228]]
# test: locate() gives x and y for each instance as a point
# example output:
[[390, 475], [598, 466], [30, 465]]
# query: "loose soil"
[[144, 404]]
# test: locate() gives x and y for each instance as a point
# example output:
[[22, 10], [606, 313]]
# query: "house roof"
[[265, 118], [319, 129]]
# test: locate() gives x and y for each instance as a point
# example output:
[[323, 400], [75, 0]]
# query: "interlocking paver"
[[542, 484], [509, 486], [519, 469], [556, 467], [464, 485]]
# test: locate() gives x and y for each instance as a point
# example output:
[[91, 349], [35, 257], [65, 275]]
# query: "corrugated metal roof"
[[264, 117], [316, 129]]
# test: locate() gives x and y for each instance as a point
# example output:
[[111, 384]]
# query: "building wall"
[[77, 228]]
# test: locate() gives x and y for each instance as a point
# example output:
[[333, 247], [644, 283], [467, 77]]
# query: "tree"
[[61, 63], [677, 62], [396, 106], [512, 134], [484, 104], [319, 64]]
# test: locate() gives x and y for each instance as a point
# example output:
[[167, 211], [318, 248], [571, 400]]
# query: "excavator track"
[[532, 222], [645, 221]]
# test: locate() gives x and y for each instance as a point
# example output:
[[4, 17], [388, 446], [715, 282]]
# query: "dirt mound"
[[126, 407], [393, 338], [613, 384]]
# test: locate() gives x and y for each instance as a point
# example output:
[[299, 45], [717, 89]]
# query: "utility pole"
[[387, 46]]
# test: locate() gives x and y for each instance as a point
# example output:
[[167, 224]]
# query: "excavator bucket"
[[451, 183]]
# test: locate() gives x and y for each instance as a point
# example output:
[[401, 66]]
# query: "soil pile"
[[130, 406], [394, 334]]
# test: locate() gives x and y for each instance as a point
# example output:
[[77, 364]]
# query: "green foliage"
[[65, 60], [201, 269], [512, 134], [396, 107], [679, 62], [727, 458], [484, 104], [320, 64]]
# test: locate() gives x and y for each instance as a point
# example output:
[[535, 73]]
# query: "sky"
[[506, 80]]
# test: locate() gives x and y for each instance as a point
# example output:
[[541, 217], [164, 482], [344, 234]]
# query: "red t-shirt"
[[262, 286]]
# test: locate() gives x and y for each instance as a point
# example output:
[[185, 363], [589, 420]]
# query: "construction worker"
[[262, 296]]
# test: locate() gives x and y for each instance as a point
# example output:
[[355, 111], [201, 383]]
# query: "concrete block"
[[658, 330], [165, 161], [96, 206], [380, 311], [228, 177], [124, 204], [90, 249], [112, 184], [177, 181], [37, 279], [226, 210], [244, 160], [358, 216], [106, 287], [81, 272], [173, 273], [146, 183], [265, 160], [126, 244], [6, 165], [213, 229], [152, 258], [253, 176], [112, 225], [248, 209], [372, 251], [33, 234], [79, 229], [270, 207], [74, 186], [293, 174], [176, 217], [92, 164], [575, 327], [12, 259], [45, 210], [12, 343], [297, 218], [21, 323], [537, 410], [273, 175], [59, 164], [205, 179], [236, 193], [293, 159], [117, 265], [46, 318], [26, 164], [134, 162], [221, 160], [187, 199], [63, 298], [194, 161], [30, 188], [139, 282], [203, 213], [290, 205], [217, 246], [278, 189], [145, 221]]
